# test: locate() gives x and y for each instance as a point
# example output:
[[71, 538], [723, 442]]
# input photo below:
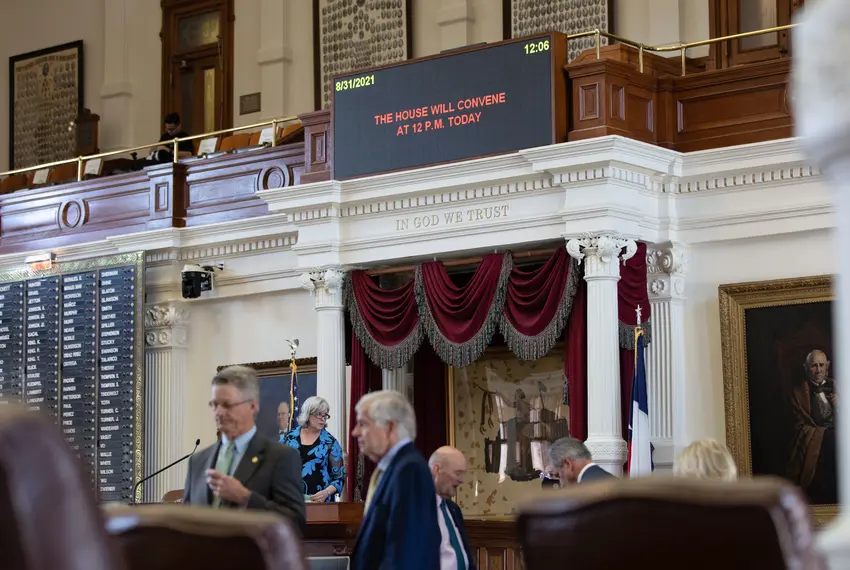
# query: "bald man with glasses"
[[244, 470]]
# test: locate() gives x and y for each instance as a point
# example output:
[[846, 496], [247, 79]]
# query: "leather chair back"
[[177, 537], [48, 516], [667, 522]]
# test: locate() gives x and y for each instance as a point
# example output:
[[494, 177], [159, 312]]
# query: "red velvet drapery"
[[632, 293], [365, 378], [531, 308]]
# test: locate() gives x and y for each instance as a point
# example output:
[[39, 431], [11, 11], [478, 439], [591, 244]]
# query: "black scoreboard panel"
[[79, 364], [487, 100], [11, 342], [71, 347], [116, 370], [41, 376]]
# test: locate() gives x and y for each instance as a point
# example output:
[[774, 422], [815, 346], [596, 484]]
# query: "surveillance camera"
[[196, 279]]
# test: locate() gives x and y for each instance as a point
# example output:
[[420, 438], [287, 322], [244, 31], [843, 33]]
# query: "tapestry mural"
[[503, 414]]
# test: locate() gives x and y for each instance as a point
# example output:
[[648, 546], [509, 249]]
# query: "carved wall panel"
[[357, 34], [526, 17]]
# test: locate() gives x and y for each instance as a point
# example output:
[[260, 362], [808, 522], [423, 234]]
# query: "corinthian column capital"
[[166, 325], [666, 267], [600, 250], [326, 285]]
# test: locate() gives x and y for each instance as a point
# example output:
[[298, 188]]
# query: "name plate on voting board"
[[72, 348]]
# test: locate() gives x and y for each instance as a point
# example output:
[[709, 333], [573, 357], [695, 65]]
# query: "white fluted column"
[[116, 92], [274, 57], [820, 88], [393, 379], [601, 254], [398, 379], [326, 285], [666, 265], [166, 377]]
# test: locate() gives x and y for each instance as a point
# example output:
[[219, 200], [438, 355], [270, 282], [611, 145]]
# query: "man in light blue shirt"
[[399, 527], [244, 469]]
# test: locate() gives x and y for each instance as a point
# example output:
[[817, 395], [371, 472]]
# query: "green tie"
[[223, 465], [461, 562]]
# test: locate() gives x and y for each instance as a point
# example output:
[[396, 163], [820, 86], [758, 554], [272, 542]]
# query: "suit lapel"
[[205, 462], [250, 460]]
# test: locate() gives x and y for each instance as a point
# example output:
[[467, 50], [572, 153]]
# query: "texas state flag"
[[640, 448]]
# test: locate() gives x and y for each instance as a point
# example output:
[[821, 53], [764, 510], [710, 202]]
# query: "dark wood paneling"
[[189, 193], [702, 110], [225, 188], [42, 218], [494, 544]]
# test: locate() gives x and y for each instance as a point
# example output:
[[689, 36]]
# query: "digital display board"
[[72, 348], [482, 101]]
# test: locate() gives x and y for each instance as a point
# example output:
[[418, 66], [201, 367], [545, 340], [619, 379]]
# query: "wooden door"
[[198, 93], [730, 17], [198, 63]]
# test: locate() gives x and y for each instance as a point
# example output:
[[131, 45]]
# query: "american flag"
[[640, 449]]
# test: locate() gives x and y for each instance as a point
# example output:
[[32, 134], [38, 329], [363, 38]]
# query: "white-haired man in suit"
[[573, 462]]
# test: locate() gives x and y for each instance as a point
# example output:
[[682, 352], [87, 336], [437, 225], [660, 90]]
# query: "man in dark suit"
[[399, 528], [244, 469], [573, 462], [448, 467]]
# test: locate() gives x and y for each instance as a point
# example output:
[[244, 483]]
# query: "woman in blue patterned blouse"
[[323, 471]]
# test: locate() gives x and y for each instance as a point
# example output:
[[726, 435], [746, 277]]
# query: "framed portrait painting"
[[779, 365], [45, 97], [274, 377], [502, 414]]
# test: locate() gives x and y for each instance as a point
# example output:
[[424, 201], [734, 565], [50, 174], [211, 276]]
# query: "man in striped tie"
[[448, 467], [399, 528]]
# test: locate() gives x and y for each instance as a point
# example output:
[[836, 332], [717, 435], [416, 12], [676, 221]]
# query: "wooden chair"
[[14, 182], [235, 142], [763, 523], [62, 174], [48, 516], [177, 537], [290, 133]]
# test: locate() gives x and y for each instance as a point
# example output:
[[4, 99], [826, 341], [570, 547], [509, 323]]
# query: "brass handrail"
[[81, 160], [597, 33], [682, 48]]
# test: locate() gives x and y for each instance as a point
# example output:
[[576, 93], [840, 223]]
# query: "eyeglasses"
[[322, 416], [227, 406]]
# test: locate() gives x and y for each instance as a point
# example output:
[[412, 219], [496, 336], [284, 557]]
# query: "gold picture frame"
[[785, 318]]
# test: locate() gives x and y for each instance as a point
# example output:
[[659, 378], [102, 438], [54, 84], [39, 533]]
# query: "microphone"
[[169, 466]]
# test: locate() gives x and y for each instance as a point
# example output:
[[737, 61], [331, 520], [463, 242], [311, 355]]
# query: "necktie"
[[223, 465], [461, 561], [373, 484]]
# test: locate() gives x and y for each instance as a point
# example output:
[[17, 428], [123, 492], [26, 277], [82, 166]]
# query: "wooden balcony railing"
[[626, 89]]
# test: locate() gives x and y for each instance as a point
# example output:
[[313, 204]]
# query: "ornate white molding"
[[166, 326], [666, 267], [606, 247], [608, 451]]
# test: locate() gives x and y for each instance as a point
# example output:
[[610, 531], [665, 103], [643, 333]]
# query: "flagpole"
[[293, 368]]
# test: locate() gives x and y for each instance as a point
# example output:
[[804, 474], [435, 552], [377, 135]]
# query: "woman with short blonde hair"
[[706, 459], [322, 460]]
